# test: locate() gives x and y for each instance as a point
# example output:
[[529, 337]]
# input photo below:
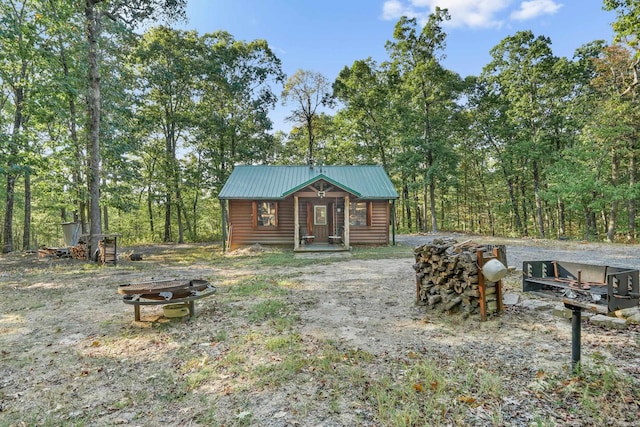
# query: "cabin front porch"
[[322, 247]]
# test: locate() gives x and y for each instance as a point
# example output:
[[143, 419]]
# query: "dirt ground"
[[71, 354]]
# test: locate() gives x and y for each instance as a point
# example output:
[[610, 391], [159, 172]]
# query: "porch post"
[[296, 224], [223, 212], [346, 221]]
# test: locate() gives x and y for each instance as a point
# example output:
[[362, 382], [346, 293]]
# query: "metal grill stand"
[[576, 340], [598, 289]]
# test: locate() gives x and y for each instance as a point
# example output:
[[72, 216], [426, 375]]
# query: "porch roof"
[[277, 182]]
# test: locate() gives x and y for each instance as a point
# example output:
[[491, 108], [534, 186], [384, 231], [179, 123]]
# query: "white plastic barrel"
[[493, 270]]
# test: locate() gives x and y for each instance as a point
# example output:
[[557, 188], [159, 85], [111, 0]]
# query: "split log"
[[434, 299], [452, 303]]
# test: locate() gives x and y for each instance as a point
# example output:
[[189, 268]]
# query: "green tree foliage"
[[307, 91], [207, 97], [19, 62], [128, 14], [163, 63], [366, 91], [522, 75], [428, 93], [236, 94], [104, 126]]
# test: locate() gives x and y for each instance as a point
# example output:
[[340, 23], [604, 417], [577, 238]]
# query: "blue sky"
[[326, 35]]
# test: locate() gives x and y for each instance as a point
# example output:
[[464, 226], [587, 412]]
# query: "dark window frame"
[[362, 210], [271, 212]]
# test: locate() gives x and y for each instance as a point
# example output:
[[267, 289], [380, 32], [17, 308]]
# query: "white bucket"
[[493, 270]]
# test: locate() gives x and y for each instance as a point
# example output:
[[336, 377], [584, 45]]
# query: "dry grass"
[[260, 352]]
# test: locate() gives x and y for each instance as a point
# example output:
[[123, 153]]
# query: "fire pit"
[[599, 289], [165, 292]]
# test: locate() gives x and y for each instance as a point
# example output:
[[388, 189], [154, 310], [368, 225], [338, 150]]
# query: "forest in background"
[[136, 133]]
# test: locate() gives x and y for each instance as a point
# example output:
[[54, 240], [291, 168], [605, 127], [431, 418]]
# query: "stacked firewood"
[[107, 251], [53, 252], [80, 251], [447, 277]]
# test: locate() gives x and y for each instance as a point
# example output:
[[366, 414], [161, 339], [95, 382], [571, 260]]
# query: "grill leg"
[[576, 324]]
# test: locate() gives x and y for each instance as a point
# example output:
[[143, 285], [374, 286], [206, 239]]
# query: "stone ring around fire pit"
[[163, 292]]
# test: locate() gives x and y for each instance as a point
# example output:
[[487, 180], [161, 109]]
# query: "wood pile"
[[448, 277], [107, 251], [53, 252], [80, 251]]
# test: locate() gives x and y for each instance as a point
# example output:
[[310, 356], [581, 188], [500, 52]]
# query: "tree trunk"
[[487, 201], [416, 206], [514, 206], [93, 102], [310, 131], [587, 224], [424, 209], [613, 213], [105, 217], [168, 196], [80, 215], [432, 206], [536, 190], [26, 234], [167, 219], [8, 214], [180, 228], [150, 209], [12, 159], [561, 219], [633, 204], [195, 216], [594, 220], [525, 219], [405, 195]]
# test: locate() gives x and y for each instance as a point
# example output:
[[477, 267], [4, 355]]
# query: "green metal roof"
[[278, 182]]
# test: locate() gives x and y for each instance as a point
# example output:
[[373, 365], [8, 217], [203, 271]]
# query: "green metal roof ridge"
[[316, 178]]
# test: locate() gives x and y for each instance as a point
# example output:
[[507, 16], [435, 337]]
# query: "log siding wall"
[[378, 233], [243, 233]]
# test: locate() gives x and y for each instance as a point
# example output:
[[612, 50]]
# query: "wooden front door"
[[321, 221]]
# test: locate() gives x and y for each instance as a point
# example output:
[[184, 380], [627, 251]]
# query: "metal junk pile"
[[460, 277]]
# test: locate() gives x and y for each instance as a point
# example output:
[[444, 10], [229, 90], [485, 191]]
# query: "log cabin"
[[311, 208]]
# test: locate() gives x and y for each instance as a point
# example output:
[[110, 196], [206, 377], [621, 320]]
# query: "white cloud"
[[464, 13], [468, 13], [392, 10], [534, 8]]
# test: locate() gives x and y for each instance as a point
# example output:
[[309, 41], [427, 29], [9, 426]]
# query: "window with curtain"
[[359, 214], [320, 215], [265, 214]]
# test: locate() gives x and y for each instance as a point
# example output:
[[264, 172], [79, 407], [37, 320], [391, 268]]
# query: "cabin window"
[[320, 215], [360, 214], [265, 214]]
